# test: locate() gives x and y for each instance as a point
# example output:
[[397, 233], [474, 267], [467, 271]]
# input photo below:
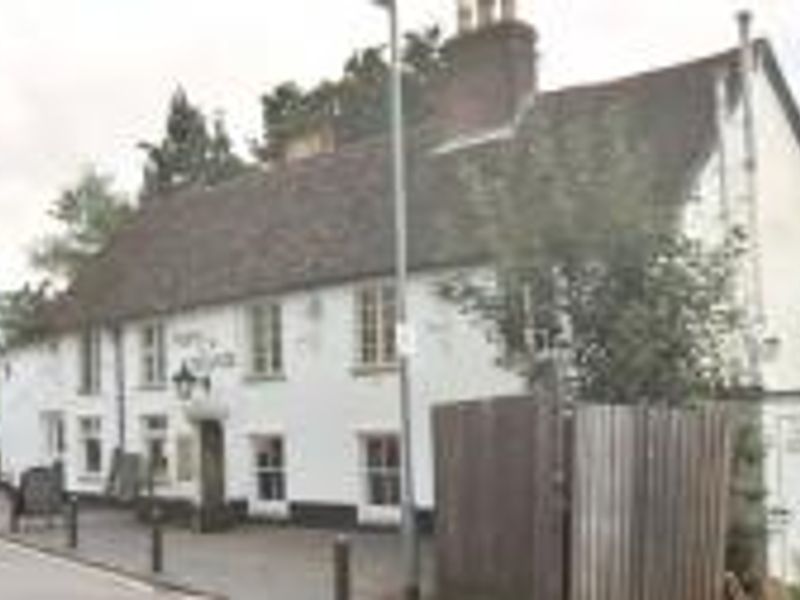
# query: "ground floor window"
[[54, 435], [381, 460], [270, 465], [154, 431], [185, 458], [91, 445]]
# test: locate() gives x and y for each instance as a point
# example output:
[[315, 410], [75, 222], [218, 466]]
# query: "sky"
[[83, 81]]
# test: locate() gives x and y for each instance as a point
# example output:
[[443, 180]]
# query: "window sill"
[[374, 370], [89, 394], [379, 514], [257, 378], [153, 387], [90, 478], [271, 508]]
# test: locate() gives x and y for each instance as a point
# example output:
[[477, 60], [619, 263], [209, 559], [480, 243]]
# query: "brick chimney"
[[490, 68]]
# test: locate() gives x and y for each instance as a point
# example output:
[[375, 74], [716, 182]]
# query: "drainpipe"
[[750, 198], [720, 109], [119, 382]]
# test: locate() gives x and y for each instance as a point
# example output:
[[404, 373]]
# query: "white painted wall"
[[782, 439], [778, 185], [321, 407]]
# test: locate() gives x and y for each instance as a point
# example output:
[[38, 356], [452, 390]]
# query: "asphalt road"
[[29, 575]]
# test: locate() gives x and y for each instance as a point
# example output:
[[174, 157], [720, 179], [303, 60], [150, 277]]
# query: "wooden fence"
[[535, 502]]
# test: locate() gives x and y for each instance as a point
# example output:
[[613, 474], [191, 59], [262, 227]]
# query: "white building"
[[276, 284]]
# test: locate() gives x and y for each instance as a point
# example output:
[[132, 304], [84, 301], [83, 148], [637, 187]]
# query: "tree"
[[590, 259], [21, 319], [356, 104], [597, 289], [88, 213], [189, 152]]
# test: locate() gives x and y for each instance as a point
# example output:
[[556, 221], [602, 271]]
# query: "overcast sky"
[[82, 81]]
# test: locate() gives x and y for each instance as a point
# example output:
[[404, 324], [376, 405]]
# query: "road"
[[26, 574]]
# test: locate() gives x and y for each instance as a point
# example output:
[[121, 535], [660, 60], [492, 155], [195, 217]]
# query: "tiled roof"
[[329, 218]]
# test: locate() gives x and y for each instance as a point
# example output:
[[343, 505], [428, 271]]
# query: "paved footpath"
[[251, 562], [27, 574]]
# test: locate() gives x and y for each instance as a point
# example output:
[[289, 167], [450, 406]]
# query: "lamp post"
[[408, 505]]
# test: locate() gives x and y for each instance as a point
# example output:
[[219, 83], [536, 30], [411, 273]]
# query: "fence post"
[[72, 522], [341, 567], [156, 540]]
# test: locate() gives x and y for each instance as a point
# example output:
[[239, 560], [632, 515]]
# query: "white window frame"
[[375, 325], [186, 466], [54, 434], [153, 348], [264, 335], [155, 430], [89, 362], [390, 473], [90, 430], [260, 444]]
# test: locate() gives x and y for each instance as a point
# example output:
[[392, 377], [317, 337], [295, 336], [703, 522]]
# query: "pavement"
[[253, 561], [27, 574]]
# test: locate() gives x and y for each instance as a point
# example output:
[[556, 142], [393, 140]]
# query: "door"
[[212, 466]]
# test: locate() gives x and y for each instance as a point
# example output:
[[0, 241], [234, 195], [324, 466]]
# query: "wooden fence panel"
[[606, 503]]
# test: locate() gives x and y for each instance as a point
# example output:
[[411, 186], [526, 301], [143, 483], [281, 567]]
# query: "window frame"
[[90, 430], [375, 323], [90, 362], [277, 469], [267, 345], [390, 474], [150, 435], [153, 355]]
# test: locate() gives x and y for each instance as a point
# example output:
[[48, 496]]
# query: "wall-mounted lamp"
[[185, 381]]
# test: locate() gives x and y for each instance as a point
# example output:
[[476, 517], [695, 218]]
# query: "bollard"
[[72, 522], [13, 511], [156, 541], [341, 568]]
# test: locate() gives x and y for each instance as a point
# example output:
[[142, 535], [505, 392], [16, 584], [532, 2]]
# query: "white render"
[[321, 406]]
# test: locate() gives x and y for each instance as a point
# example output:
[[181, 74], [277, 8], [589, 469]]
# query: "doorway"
[[212, 510]]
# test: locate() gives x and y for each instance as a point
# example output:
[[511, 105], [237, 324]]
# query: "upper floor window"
[[89, 362], [375, 325], [154, 355], [265, 339]]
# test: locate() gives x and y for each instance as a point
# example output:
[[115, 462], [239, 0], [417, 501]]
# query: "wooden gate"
[[592, 503]]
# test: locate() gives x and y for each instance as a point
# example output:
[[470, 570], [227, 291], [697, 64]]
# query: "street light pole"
[[403, 335]]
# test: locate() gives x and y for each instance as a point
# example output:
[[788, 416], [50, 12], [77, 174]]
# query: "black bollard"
[[341, 568], [14, 510], [157, 540], [72, 523]]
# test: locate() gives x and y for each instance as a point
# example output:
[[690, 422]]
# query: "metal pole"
[[72, 523], [409, 526], [156, 541], [341, 568]]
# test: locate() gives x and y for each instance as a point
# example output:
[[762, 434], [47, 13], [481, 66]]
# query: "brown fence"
[[595, 503]]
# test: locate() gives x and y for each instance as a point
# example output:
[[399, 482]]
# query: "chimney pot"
[[508, 10], [485, 12], [464, 16]]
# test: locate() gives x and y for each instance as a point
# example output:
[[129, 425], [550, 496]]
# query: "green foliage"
[[89, 212], [355, 105], [190, 152], [590, 256], [21, 315]]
